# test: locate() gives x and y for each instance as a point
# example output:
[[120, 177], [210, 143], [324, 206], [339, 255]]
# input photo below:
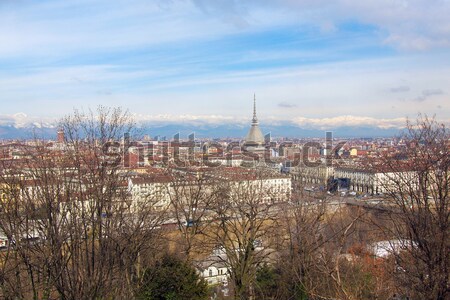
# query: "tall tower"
[[255, 119], [254, 136], [60, 136]]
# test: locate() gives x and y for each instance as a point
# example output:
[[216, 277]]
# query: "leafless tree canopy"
[[417, 181], [76, 232], [68, 218]]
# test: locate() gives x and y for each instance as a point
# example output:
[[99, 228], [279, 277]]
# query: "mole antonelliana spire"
[[254, 136], [255, 119]]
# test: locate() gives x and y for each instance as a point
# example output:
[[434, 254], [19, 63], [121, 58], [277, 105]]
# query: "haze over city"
[[314, 65]]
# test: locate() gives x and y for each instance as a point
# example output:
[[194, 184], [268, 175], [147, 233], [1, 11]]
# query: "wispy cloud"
[[199, 57], [233, 12], [432, 92], [286, 105], [411, 25], [400, 89], [70, 27], [427, 94]]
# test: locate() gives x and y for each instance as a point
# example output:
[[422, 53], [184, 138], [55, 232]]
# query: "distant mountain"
[[240, 131], [210, 131], [26, 132]]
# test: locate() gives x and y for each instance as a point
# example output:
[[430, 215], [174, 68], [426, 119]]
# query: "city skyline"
[[312, 65]]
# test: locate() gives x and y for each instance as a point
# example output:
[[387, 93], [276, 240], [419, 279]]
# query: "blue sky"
[[311, 63]]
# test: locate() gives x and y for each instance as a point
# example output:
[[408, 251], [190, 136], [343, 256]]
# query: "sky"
[[311, 63]]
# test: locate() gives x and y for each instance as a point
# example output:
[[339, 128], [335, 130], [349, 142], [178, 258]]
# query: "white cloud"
[[60, 54], [20, 120], [351, 121], [302, 122], [57, 28], [406, 24], [362, 87]]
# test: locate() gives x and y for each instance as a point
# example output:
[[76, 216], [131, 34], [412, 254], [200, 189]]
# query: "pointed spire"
[[254, 136], [255, 119]]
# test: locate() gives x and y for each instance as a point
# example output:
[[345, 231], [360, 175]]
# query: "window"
[[210, 273]]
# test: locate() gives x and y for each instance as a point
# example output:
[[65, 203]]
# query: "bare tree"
[[303, 229], [74, 232], [244, 227], [192, 194], [416, 178], [323, 256]]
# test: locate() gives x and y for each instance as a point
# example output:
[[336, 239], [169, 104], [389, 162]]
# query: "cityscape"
[[192, 149]]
